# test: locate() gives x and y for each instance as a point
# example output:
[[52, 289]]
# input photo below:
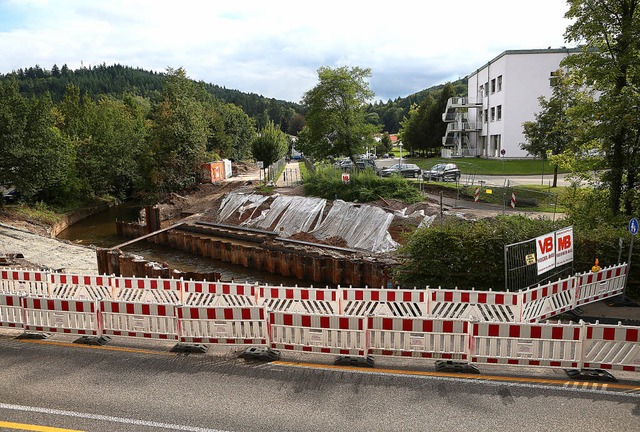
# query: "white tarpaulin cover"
[[362, 226]]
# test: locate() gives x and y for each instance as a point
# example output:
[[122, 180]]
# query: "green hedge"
[[471, 254], [363, 186]]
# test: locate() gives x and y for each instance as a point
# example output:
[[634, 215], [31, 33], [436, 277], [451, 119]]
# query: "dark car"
[[443, 172], [345, 164], [405, 170], [363, 164]]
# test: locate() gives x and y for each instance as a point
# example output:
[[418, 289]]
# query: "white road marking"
[[106, 418]]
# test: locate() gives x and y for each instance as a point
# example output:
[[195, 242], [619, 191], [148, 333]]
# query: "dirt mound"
[[331, 241]]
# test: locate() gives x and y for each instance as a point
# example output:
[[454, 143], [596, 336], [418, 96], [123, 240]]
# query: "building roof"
[[526, 51]]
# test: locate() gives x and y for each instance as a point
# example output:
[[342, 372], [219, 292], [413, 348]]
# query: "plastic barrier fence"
[[25, 282], [612, 347], [319, 301], [531, 305], [608, 282], [11, 311], [385, 302], [244, 325], [146, 320], [474, 305], [60, 316], [550, 345], [418, 337], [327, 334], [210, 294], [79, 287], [548, 300]]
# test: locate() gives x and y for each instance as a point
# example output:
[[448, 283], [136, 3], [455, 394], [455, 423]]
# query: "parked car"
[[442, 172], [345, 164], [366, 164], [405, 170]]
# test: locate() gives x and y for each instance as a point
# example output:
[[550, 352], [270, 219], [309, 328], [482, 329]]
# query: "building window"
[[481, 90], [493, 85], [493, 113], [499, 112], [500, 83], [486, 115], [486, 88], [553, 78]]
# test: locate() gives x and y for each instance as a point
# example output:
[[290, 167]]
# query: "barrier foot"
[[456, 367], [367, 361], [34, 336], [190, 348], [590, 375], [259, 353], [93, 340]]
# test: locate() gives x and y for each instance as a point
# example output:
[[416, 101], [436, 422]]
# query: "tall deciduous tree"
[[552, 132], [609, 62], [270, 145], [336, 122], [179, 134]]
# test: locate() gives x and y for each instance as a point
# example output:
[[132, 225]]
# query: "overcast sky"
[[274, 47]]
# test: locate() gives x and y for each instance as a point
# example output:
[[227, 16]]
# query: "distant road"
[[496, 180], [136, 385]]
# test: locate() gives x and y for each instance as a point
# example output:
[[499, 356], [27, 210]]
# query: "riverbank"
[[45, 252]]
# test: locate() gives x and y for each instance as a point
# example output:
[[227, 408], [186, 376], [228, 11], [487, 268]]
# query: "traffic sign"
[[503, 152], [633, 226]]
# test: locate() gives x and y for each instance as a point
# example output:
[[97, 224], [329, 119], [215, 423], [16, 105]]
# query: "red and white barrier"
[[542, 344], [60, 316], [607, 282], [222, 294], [25, 282], [143, 320], [216, 325], [418, 337], [326, 334], [79, 287], [323, 301], [474, 305], [612, 347], [384, 302], [545, 301], [11, 311]]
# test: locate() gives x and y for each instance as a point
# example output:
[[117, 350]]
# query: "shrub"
[[363, 186]]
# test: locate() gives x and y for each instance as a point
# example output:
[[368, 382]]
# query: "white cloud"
[[274, 48]]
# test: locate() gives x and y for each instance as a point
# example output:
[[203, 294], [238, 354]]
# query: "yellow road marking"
[[479, 377], [30, 427], [107, 348]]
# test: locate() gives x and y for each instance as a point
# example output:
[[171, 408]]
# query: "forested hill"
[[389, 114], [116, 80]]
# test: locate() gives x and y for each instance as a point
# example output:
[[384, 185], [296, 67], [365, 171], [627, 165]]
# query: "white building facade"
[[502, 95]]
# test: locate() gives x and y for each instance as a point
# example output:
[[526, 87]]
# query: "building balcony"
[[455, 104]]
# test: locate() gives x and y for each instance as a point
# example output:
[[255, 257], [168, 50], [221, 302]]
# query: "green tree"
[[240, 129], [552, 132], [179, 134], [609, 62], [412, 132], [336, 122], [270, 145], [385, 145]]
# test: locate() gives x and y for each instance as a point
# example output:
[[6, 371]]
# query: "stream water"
[[100, 230]]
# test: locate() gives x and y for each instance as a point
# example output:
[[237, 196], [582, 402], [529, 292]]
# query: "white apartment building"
[[502, 95]]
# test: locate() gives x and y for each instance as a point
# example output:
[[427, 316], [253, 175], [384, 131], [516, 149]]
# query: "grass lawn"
[[489, 166]]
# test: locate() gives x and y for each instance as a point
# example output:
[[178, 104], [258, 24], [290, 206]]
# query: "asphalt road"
[[136, 385]]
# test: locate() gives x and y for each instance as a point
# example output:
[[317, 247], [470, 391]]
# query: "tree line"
[[85, 146]]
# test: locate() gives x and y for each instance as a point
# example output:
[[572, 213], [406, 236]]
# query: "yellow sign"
[[531, 259], [489, 191]]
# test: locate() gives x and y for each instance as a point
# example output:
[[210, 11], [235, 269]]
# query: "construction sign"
[[554, 249]]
